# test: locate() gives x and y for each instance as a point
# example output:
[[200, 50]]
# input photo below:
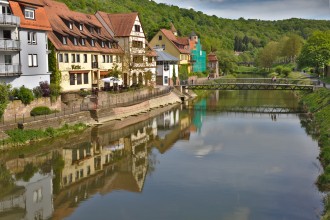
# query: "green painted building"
[[198, 56]]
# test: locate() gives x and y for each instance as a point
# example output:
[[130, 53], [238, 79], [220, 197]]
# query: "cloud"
[[259, 9]]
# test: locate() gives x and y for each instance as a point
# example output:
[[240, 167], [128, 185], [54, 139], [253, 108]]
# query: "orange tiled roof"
[[212, 57], [39, 23], [60, 16], [120, 24], [177, 41]]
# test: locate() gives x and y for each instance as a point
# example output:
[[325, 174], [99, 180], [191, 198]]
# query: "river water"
[[230, 155]]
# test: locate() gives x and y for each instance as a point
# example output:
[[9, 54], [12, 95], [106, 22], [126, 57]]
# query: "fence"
[[116, 102]]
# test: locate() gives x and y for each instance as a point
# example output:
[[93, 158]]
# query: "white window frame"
[[81, 27], [75, 41], [70, 25], [64, 40], [29, 13], [82, 42], [33, 60], [32, 37], [92, 43]]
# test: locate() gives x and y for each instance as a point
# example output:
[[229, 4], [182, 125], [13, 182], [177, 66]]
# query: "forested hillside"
[[216, 33]]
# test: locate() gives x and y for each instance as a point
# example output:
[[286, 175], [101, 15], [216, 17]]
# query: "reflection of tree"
[[309, 125], [152, 161], [6, 180], [27, 173]]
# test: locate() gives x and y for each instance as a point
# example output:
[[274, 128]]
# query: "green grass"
[[18, 136]]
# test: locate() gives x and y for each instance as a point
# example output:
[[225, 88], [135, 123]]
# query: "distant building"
[[174, 45], [198, 56], [139, 57], [213, 65], [167, 67]]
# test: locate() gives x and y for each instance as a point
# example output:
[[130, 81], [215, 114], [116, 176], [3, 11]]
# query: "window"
[[165, 79], [29, 13], [149, 59], [92, 43], [33, 60], [72, 79], [118, 58], [78, 58], [82, 42], [137, 28], [103, 58], [110, 58], [91, 29], [75, 42], [160, 37], [137, 44], [85, 78], [102, 44], [110, 46], [70, 25], [138, 59], [166, 66], [163, 46], [6, 34], [79, 79], [32, 38], [66, 58], [64, 40], [107, 59], [81, 27], [85, 58], [73, 58], [60, 58], [8, 60], [157, 45]]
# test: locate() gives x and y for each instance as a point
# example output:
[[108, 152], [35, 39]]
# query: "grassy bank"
[[318, 103], [21, 137]]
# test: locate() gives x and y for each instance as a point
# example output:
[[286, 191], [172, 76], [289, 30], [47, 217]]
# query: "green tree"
[[227, 61], [4, 97], [316, 51], [268, 55], [292, 47]]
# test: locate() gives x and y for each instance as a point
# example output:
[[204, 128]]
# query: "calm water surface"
[[232, 155]]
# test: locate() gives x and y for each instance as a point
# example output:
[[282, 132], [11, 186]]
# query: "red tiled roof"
[[39, 23], [120, 24], [177, 41], [212, 57], [60, 15]]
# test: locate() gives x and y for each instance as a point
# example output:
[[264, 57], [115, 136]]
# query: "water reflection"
[[117, 157]]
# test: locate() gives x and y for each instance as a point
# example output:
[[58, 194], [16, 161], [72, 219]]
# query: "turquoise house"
[[198, 56]]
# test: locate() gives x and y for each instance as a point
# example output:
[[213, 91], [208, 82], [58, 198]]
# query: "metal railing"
[[117, 102], [12, 20], [10, 69], [9, 44]]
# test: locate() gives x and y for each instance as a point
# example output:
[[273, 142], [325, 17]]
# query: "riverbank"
[[318, 104], [55, 127]]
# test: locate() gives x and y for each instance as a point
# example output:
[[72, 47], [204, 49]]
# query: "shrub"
[[279, 69], [25, 95], [286, 71], [4, 94], [40, 110], [45, 88], [55, 90], [84, 93], [37, 92]]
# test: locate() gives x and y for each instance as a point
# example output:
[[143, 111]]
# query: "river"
[[230, 155]]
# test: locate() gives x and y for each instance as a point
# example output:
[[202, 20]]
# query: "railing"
[[117, 102], [12, 20], [8, 44], [10, 70]]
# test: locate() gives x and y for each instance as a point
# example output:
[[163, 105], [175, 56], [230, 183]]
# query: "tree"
[[292, 47], [316, 51], [227, 61], [268, 55], [4, 97]]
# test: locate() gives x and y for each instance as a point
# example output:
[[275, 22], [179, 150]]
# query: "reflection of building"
[[34, 202]]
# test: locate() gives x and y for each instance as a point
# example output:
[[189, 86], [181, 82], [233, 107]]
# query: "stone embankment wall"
[[16, 109]]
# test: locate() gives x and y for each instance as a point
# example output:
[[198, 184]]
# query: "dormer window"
[[70, 25], [102, 44], [92, 43], [81, 27], [110, 45], [98, 30], [91, 29], [82, 42], [64, 40], [75, 41], [29, 13]]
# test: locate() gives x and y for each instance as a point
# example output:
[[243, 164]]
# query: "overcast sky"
[[258, 9]]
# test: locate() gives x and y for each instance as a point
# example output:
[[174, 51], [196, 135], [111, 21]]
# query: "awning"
[[104, 73], [78, 71]]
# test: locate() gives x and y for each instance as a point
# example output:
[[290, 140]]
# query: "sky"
[[258, 9]]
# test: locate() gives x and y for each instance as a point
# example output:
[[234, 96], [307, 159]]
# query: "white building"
[[167, 67]]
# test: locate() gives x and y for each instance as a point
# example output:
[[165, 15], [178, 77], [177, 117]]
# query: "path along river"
[[231, 155]]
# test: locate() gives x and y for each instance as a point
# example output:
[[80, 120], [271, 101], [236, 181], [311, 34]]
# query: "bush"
[[40, 110], [24, 94], [55, 90], [45, 88], [84, 92], [4, 94], [279, 69], [37, 92], [286, 71]]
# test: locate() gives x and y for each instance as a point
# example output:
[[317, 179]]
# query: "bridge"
[[252, 84]]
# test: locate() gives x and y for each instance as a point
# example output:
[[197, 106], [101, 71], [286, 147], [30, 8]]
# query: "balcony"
[[10, 70], [9, 45], [9, 20], [95, 65]]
